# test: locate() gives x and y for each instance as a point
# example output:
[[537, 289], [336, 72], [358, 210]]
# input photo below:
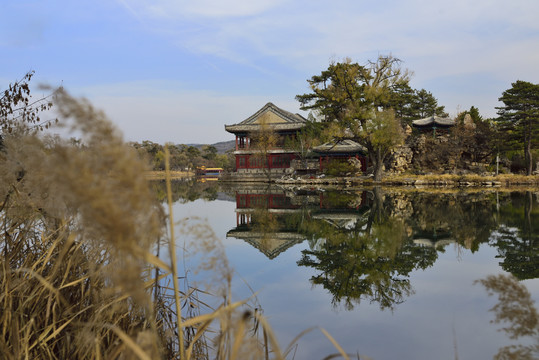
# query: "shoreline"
[[161, 174], [417, 181], [404, 180]]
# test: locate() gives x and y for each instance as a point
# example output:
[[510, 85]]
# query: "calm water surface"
[[388, 273]]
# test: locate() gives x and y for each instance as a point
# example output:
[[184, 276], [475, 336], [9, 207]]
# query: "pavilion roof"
[[275, 117], [271, 244], [432, 121], [340, 146]]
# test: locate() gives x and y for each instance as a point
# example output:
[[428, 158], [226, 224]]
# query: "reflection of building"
[[437, 238], [435, 244], [269, 218], [260, 214], [282, 123], [270, 245]]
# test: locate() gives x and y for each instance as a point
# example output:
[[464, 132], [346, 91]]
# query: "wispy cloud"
[[184, 59], [158, 114]]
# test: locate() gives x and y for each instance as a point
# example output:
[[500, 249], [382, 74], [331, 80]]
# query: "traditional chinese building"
[[433, 123], [276, 159], [341, 150]]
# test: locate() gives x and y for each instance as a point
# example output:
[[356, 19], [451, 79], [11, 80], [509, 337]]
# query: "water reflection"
[[266, 218], [364, 244], [515, 309], [370, 258], [517, 237]]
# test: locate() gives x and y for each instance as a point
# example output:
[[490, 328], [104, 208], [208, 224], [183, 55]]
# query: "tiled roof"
[[290, 121], [433, 120], [341, 146]]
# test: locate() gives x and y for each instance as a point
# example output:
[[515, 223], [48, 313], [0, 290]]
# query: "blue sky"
[[178, 71]]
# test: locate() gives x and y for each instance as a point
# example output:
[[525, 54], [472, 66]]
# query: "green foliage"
[[519, 119], [370, 260], [209, 152], [354, 101], [339, 167], [384, 132], [517, 239], [306, 138], [411, 104], [182, 157]]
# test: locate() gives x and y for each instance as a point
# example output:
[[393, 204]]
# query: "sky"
[[177, 71]]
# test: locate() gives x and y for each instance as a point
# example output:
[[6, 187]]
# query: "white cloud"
[[301, 34], [436, 39], [179, 9], [164, 112]]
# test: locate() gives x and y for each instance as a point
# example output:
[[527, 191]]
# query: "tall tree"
[[411, 104], [356, 102], [304, 140], [519, 118], [425, 104]]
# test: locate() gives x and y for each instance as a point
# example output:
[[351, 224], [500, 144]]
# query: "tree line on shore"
[[372, 104], [375, 105], [182, 157]]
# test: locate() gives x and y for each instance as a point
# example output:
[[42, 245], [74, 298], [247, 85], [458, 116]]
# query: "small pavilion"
[[341, 150], [433, 123]]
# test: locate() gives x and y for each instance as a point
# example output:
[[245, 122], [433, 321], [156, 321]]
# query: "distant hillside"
[[222, 147]]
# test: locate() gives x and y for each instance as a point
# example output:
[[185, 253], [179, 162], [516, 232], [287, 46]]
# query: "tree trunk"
[[378, 166], [529, 165]]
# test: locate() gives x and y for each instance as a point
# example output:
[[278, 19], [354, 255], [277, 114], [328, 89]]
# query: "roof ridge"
[[287, 115]]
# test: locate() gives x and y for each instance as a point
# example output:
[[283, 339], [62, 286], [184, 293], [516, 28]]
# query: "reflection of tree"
[[516, 239], [516, 308], [186, 190], [267, 220], [264, 223], [467, 218], [371, 260]]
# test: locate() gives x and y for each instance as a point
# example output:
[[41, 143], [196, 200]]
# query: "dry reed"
[[79, 280]]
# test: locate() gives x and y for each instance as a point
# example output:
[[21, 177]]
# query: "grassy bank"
[[468, 180]]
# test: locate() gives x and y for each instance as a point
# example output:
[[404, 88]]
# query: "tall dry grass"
[[79, 277]]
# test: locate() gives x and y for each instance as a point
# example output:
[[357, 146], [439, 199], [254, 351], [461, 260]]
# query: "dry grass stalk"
[[78, 279]]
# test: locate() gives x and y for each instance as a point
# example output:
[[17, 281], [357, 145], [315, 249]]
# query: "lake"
[[390, 273]]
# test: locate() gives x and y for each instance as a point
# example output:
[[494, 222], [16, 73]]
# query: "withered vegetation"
[[79, 276]]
